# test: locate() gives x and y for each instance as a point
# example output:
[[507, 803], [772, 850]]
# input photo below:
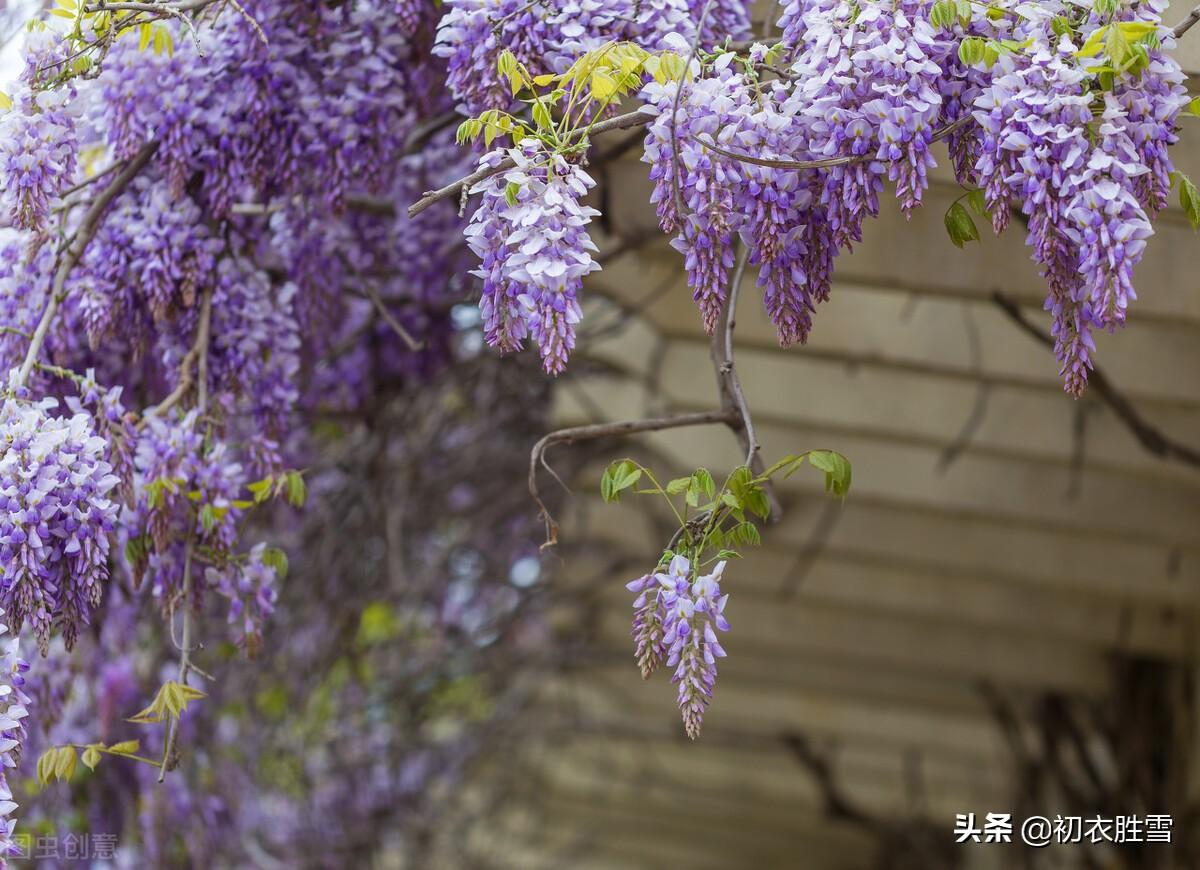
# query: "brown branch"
[[837, 805], [824, 162], [1187, 23], [607, 430], [1100, 386], [195, 358], [81, 239], [396, 325], [729, 385]]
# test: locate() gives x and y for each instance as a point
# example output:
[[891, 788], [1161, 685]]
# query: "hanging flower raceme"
[[37, 155], [677, 618], [56, 518], [648, 623], [186, 495], [249, 586], [1034, 150], [530, 231], [694, 185], [14, 708]]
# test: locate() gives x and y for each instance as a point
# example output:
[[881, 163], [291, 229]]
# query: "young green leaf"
[[960, 225], [836, 468], [1189, 199]]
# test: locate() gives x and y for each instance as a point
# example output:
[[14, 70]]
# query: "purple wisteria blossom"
[[187, 496], [648, 623], [250, 588], [693, 613], [57, 518], [38, 155], [693, 185], [677, 619], [14, 708], [550, 36], [530, 231]]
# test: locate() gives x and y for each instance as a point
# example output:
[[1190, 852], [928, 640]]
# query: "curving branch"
[[729, 385], [1151, 438], [823, 162], [608, 430]]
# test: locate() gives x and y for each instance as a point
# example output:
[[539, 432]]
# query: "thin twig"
[[1099, 385], [824, 162], [729, 385], [608, 430], [1187, 23], [185, 661], [395, 324], [197, 356], [454, 189]]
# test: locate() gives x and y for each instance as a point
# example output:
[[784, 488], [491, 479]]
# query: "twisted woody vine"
[[226, 222]]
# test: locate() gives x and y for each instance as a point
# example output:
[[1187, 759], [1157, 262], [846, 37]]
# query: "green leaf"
[[756, 502], [1192, 108], [972, 50], [377, 624], [261, 489], [275, 558], [704, 481], [1189, 199], [729, 554], [603, 85], [620, 475], [170, 702], [126, 747], [1116, 46], [511, 191], [541, 115], [64, 763], [91, 757], [297, 492], [746, 533], [836, 468], [678, 485], [45, 765], [977, 201], [960, 225], [6, 102]]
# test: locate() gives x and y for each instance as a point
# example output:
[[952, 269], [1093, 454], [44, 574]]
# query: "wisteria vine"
[[207, 269]]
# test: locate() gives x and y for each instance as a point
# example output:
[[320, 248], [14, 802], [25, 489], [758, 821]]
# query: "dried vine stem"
[[1100, 386], [608, 430], [729, 385]]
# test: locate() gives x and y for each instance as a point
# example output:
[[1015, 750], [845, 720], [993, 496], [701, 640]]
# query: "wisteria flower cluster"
[[677, 619], [54, 533], [14, 709], [678, 610], [530, 231], [250, 587], [1062, 111]]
